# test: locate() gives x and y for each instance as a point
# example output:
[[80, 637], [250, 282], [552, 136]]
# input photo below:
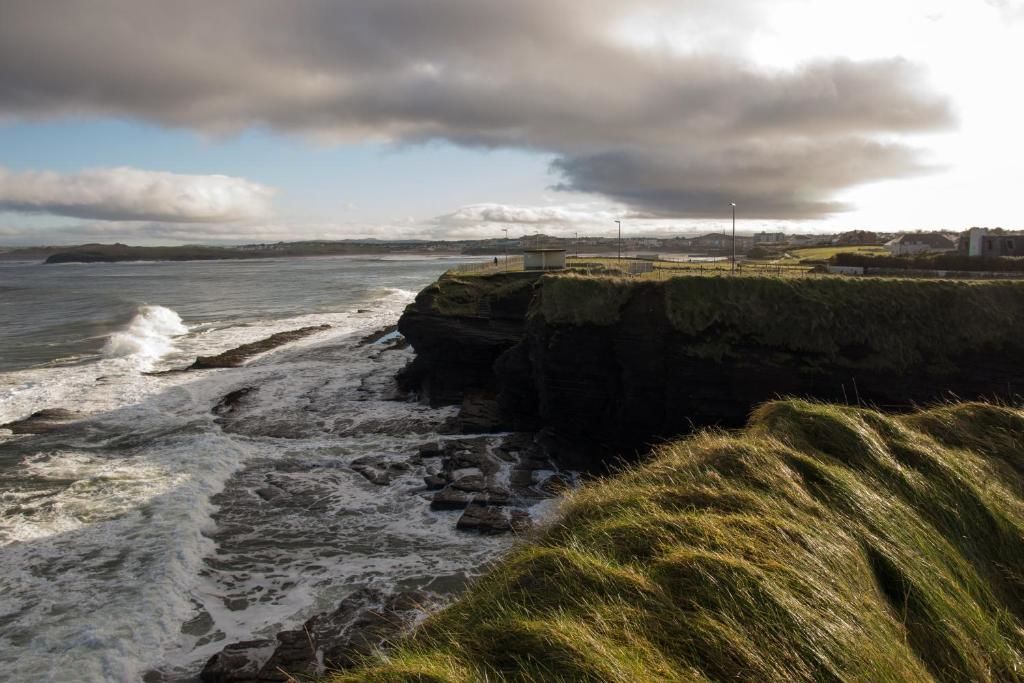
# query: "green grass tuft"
[[820, 543]]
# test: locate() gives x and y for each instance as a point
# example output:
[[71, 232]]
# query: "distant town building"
[[859, 237], [718, 240], [544, 259], [913, 244], [769, 237], [982, 242]]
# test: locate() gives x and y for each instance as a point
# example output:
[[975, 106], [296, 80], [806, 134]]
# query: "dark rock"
[[520, 477], [378, 470], [473, 483], [431, 450], [479, 413], [456, 353], [230, 402], [376, 336], [488, 519], [43, 421], [485, 519], [270, 493], [450, 499], [364, 622], [238, 355], [238, 663], [434, 483]]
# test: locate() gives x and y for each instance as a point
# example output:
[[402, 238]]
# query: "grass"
[[461, 294], [822, 543], [825, 253]]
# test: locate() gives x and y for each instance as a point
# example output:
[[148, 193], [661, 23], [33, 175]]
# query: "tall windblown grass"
[[821, 543]]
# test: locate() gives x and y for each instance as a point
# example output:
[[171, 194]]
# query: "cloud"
[[671, 130], [1012, 10], [131, 194], [504, 214]]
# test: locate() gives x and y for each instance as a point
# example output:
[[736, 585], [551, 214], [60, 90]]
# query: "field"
[[825, 253], [821, 543]]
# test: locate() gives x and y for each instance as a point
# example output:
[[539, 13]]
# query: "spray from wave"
[[149, 335]]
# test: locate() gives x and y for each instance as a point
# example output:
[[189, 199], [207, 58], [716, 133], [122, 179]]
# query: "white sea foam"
[[112, 537], [149, 335]]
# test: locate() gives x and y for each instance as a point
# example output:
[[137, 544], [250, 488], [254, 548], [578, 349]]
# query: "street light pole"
[[620, 239], [577, 245], [734, 237], [505, 230]]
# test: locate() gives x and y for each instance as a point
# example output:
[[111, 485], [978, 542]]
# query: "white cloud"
[[131, 194], [574, 214]]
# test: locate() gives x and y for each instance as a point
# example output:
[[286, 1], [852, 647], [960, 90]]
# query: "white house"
[[912, 244]]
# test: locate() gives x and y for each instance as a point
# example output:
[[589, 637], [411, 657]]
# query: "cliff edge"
[[612, 366]]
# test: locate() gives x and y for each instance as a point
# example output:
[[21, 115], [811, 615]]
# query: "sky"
[[238, 121]]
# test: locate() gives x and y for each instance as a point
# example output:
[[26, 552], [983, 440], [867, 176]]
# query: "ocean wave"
[[149, 335]]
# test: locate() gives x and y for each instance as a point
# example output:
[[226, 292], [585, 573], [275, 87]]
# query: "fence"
[[503, 264], [628, 267]]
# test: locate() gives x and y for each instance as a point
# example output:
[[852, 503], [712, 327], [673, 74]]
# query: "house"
[[912, 244], [769, 237], [722, 241], [982, 242], [543, 259]]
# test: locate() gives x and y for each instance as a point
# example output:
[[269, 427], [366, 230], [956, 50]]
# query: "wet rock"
[[239, 355], [231, 401], [479, 413], [402, 425], [450, 499], [471, 484], [378, 470], [270, 493], [520, 477], [43, 421], [376, 336], [487, 519], [434, 482], [431, 450], [364, 622], [238, 663]]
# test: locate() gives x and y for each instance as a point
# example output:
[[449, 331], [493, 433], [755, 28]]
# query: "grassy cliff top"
[[821, 543], [883, 323], [455, 294]]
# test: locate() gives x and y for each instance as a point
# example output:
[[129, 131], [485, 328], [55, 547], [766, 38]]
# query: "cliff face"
[[612, 367], [459, 328]]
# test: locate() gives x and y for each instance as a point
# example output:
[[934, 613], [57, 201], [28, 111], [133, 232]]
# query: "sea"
[[149, 532]]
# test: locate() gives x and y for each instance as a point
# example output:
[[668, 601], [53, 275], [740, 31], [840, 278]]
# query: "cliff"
[[822, 543], [610, 366]]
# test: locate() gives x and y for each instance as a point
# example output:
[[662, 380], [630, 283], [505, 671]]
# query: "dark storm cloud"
[[667, 133]]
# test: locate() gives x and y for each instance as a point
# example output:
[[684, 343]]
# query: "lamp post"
[[620, 239], [505, 230], [577, 245], [734, 237]]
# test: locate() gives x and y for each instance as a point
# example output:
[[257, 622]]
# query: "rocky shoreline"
[[484, 481]]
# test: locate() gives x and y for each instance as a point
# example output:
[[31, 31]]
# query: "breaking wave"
[[148, 336]]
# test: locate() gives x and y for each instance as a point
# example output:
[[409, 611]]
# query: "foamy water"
[[151, 532], [148, 337]]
